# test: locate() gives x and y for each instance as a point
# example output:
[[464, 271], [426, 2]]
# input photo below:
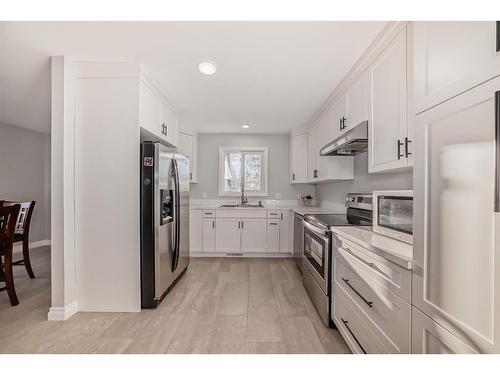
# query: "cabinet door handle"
[[315, 173], [340, 124], [342, 121], [400, 155], [497, 151], [242, 224], [407, 141], [213, 224], [369, 303], [293, 176], [190, 175], [282, 216], [498, 36], [352, 334]]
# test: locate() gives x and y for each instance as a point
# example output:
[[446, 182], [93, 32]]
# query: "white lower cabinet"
[[228, 235], [253, 239], [273, 235], [428, 337], [208, 237], [371, 316], [286, 232], [195, 231]]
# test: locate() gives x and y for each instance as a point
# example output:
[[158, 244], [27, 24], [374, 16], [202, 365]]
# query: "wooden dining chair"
[[22, 232], [8, 218]]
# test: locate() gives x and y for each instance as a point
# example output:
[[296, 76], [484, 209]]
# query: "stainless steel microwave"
[[393, 214]]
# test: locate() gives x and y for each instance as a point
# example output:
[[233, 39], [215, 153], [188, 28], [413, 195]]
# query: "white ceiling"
[[271, 75]]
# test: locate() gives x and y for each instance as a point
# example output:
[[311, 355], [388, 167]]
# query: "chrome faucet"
[[244, 200]]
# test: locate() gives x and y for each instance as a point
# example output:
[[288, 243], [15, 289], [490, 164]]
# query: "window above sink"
[[245, 166]]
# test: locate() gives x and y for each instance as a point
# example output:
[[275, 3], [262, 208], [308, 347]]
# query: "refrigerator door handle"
[[177, 214]]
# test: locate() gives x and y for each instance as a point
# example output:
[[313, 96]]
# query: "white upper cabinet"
[[169, 123], [389, 143], [456, 229], [336, 119], [298, 158], [452, 57], [149, 109], [156, 114], [357, 99], [188, 146]]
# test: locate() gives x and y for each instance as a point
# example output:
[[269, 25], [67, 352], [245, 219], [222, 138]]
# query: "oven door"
[[316, 258]]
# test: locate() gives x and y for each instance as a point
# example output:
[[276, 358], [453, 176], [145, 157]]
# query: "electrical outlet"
[[204, 195], [278, 195]]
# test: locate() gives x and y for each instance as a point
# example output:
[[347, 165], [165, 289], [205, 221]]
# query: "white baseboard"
[[244, 255], [18, 247], [62, 313]]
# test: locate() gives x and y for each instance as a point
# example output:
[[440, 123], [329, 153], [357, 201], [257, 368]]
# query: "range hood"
[[352, 142]]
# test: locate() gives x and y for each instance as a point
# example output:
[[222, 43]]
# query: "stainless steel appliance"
[[298, 240], [318, 241], [393, 214], [164, 221], [352, 142]]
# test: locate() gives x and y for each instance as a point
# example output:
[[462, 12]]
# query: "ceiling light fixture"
[[245, 126], [207, 68]]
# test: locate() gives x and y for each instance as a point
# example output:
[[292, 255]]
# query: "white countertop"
[[286, 206], [393, 250]]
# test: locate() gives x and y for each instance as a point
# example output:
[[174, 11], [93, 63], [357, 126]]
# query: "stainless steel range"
[[318, 242]]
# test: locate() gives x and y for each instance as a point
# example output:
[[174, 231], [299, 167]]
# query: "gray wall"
[[208, 160], [363, 182], [25, 174]]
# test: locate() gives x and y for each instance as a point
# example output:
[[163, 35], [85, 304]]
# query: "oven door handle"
[[315, 229]]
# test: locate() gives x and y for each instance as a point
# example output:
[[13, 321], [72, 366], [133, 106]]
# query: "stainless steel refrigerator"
[[164, 221]]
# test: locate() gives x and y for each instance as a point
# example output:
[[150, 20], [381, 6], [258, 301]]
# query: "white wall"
[[363, 182], [208, 167], [25, 174]]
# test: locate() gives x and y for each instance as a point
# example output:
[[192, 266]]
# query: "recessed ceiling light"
[[207, 68], [245, 126]]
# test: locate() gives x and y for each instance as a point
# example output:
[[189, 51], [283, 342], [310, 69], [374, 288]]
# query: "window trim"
[[265, 169]]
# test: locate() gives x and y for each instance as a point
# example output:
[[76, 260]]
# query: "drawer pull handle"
[[369, 303], [273, 223], [208, 213], [369, 264], [352, 334]]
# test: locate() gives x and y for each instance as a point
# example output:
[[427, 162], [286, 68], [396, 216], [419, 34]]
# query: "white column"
[[63, 278]]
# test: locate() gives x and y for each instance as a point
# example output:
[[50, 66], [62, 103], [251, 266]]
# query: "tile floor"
[[221, 305]]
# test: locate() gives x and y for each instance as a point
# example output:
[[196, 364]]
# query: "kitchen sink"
[[245, 205]]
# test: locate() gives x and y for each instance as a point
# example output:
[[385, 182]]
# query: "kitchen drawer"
[[273, 214], [389, 274], [242, 213], [359, 333], [208, 213], [389, 313]]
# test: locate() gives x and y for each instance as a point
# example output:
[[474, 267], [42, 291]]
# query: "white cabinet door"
[[428, 337], [228, 235], [149, 109], [286, 232], [456, 231], [312, 154], [298, 158], [185, 147], [169, 123], [195, 231], [253, 238], [208, 240], [452, 57], [337, 117], [358, 102], [388, 116], [273, 235]]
